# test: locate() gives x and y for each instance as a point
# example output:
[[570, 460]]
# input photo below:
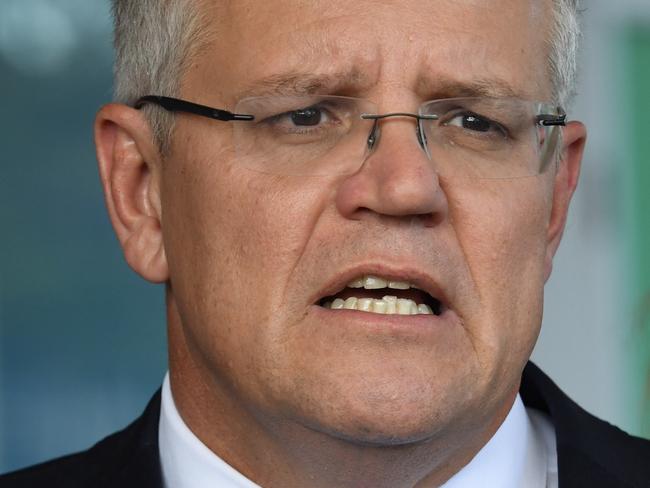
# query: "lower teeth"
[[388, 305]]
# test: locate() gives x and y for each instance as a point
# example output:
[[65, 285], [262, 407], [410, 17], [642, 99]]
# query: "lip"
[[408, 274], [418, 329]]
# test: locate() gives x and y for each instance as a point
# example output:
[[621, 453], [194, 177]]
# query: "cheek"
[[232, 238], [501, 227]]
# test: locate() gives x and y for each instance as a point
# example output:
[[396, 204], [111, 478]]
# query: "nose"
[[397, 178]]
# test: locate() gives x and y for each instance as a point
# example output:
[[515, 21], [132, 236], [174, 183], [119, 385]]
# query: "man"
[[354, 207]]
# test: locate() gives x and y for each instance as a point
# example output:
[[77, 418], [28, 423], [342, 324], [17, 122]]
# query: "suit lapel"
[[139, 458], [590, 452]]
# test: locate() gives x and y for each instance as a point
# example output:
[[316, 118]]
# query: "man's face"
[[252, 255]]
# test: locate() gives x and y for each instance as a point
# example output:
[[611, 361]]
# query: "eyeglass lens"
[[325, 135]]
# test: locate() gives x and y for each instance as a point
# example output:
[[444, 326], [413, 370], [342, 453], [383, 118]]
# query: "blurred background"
[[82, 338]]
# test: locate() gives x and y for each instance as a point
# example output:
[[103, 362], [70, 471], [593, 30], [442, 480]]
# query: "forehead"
[[432, 48]]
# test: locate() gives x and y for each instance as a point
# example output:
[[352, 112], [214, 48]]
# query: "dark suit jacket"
[[591, 453]]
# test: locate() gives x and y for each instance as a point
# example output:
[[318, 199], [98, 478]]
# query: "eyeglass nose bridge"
[[373, 137]]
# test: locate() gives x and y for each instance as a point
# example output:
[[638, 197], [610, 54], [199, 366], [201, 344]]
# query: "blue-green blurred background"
[[82, 338]]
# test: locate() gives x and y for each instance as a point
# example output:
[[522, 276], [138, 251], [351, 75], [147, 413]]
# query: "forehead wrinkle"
[[483, 68], [313, 58]]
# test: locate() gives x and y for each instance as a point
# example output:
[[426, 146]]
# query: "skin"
[[286, 392]]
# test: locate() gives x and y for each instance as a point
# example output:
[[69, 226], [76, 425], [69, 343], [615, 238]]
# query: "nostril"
[[425, 220]]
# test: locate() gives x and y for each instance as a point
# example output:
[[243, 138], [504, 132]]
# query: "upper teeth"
[[374, 283], [387, 305]]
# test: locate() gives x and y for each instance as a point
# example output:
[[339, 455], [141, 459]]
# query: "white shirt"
[[521, 454]]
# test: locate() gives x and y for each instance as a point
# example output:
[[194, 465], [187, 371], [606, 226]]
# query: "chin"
[[392, 417], [386, 394], [368, 437], [382, 431]]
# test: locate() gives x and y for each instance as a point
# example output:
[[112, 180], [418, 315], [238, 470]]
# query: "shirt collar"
[[515, 456], [186, 462]]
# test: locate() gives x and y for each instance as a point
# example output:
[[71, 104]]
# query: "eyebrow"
[[355, 81], [482, 87], [299, 83]]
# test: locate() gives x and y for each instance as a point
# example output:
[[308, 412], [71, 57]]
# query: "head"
[[248, 257]]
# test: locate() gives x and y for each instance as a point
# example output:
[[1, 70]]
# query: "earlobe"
[[566, 181], [128, 165]]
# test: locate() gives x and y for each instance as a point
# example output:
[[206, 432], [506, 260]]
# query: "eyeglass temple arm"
[[552, 120], [176, 105]]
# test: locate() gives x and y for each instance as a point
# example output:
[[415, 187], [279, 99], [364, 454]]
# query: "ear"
[[129, 167], [574, 136]]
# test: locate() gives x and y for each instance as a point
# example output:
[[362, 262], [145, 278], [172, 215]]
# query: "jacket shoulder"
[[591, 452], [126, 458]]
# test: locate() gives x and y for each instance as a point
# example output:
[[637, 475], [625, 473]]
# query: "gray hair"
[[156, 41], [564, 44]]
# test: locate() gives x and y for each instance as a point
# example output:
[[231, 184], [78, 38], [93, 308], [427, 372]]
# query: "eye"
[[473, 122], [304, 120], [307, 116]]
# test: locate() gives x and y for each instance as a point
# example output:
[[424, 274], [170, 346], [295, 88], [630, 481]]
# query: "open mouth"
[[374, 294]]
